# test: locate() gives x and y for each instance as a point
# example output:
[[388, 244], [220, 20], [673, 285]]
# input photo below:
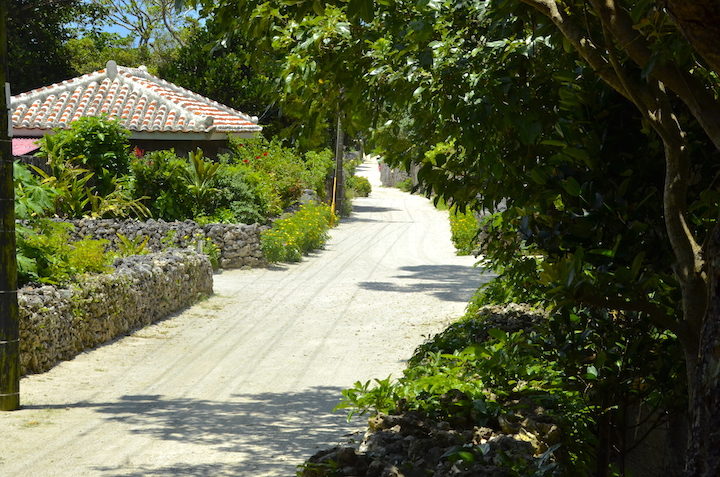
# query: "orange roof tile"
[[142, 102]]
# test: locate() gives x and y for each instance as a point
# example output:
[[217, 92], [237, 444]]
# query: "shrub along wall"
[[239, 244], [56, 324]]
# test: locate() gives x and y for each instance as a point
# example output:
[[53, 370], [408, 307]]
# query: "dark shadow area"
[[447, 282], [261, 429], [369, 209], [359, 213]]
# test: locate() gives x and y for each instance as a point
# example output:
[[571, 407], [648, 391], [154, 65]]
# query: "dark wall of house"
[[210, 149]]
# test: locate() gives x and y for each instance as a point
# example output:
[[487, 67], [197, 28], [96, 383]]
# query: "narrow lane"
[[243, 384]]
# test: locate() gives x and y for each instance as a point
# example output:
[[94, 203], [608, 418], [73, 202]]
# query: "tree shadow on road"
[[361, 213], [446, 282], [266, 433]]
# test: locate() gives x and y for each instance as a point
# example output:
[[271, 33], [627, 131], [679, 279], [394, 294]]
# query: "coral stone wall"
[[389, 177], [56, 324], [239, 244]]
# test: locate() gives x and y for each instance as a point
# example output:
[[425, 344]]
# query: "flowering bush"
[[279, 174], [299, 234], [464, 228]]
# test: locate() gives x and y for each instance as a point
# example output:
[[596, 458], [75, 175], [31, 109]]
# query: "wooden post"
[[338, 181], [9, 317]]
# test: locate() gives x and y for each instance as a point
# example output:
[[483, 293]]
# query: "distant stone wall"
[[390, 177], [56, 324], [239, 244]]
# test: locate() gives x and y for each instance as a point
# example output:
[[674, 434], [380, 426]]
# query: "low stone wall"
[[239, 244], [390, 177], [57, 324]]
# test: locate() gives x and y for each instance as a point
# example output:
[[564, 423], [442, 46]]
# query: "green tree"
[[149, 21], [470, 67], [222, 73], [37, 33], [235, 72], [92, 51]]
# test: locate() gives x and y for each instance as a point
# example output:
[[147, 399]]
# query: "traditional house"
[[158, 114]]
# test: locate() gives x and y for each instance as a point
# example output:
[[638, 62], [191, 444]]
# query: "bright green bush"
[[405, 186], [491, 372], [98, 144], [279, 174], [46, 255], [243, 198], [297, 235], [159, 179], [318, 165], [464, 228], [32, 197], [360, 185]]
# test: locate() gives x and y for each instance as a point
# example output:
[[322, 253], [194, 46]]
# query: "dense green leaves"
[[100, 145], [37, 32]]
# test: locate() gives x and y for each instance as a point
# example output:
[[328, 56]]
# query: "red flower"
[[264, 153], [245, 161], [138, 152], [257, 157]]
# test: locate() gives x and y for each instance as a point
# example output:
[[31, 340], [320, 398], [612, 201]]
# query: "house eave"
[[149, 135]]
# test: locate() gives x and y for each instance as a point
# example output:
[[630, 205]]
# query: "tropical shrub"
[[280, 174], [239, 200], [127, 247], [32, 197], [359, 185], [98, 144], [298, 234], [159, 179], [46, 255], [68, 192], [198, 176], [464, 230]]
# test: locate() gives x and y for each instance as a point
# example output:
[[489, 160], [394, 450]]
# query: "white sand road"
[[243, 383]]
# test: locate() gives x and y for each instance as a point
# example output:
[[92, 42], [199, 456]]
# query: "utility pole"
[[338, 181], [9, 316]]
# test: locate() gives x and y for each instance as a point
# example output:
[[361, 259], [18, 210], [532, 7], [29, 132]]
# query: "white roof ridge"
[[143, 73], [164, 106]]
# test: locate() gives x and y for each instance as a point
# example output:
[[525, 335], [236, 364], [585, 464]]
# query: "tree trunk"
[[699, 21], [703, 458]]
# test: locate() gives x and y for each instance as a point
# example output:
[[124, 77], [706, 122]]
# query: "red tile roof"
[[143, 102]]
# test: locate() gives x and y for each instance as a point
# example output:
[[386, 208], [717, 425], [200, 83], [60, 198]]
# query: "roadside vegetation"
[[92, 173], [593, 123]]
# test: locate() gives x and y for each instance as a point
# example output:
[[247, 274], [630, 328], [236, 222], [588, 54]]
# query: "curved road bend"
[[243, 384]]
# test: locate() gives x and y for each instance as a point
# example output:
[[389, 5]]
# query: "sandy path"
[[243, 384]]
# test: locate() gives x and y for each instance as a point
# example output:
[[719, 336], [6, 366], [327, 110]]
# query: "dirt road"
[[243, 384]]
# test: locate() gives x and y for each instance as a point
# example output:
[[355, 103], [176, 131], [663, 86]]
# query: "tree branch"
[[582, 42], [697, 20], [689, 89]]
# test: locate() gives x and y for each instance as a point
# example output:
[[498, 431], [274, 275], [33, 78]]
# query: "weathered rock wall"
[[390, 177], [239, 244], [58, 323]]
